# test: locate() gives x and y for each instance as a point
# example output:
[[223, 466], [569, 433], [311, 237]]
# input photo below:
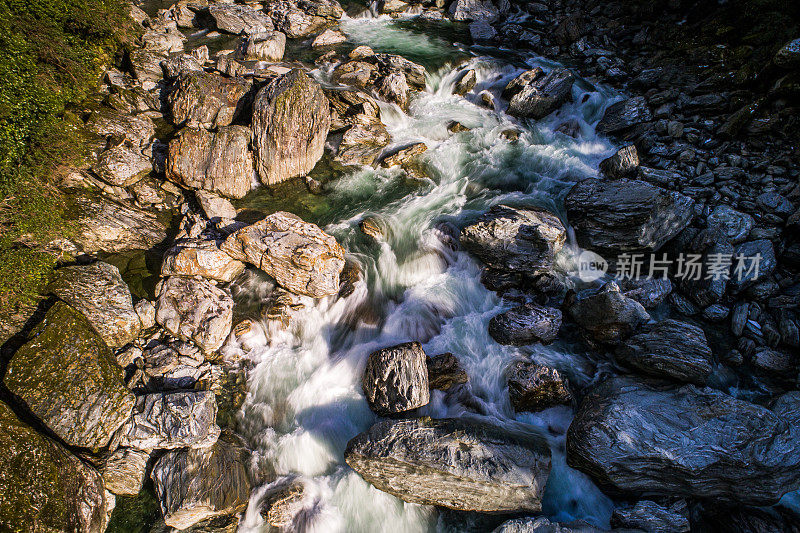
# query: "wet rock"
[[650, 516], [265, 46], [328, 38], [282, 505], [237, 19], [291, 119], [99, 293], [775, 364], [606, 313], [515, 239], [481, 31], [542, 95], [626, 215], [487, 101], [789, 55], [184, 419], [475, 10], [214, 206], [623, 115], [456, 127], [304, 18], [543, 525], [356, 116], [199, 257], [647, 438], [70, 380], [648, 292], [122, 165], [516, 85], [218, 162], [403, 156], [526, 324], [533, 387], [466, 82], [445, 372], [395, 379], [195, 310], [734, 225], [206, 99], [197, 484], [300, 256], [393, 77], [45, 487], [758, 262], [455, 463], [670, 349], [124, 470], [623, 164]]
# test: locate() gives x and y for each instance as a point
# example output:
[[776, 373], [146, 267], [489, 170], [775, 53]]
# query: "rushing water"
[[304, 398]]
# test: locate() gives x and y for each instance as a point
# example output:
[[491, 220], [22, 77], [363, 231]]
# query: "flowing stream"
[[304, 399]]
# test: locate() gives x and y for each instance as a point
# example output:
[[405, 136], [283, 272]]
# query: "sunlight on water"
[[304, 397]]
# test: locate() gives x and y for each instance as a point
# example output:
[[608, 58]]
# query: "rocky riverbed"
[[469, 266]]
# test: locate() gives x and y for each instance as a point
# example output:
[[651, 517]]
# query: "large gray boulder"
[[206, 99], [526, 324], [456, 463], [649, 439], [360, 136], [291, 119], [534, 387], [515, 239], [265, 46], [45, 487], [198, 484], [624, 115], [99, 293], [670, 349], [195, 310], [70, 380], [396, 379], [626, 215], [542, 95], [299, 255], [184, 419], [237, 19], [303, 18], [393, 78], [606, 314], [218, 162], [200, 257]]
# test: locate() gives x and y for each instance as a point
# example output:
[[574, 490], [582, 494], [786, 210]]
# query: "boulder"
[[481, 31], [626, 215], [623, 115], [652, 517], [542, 524], [200, 257], [138, 129], [123, 471], [394, 78], [649, 439], [466, 82], [185, 419], [198, 484], [606, 313], [456, 463], [146, 67], [218, 162], [282, 505], [305, 17], [734, 225], [623, 164], [291, 119], [526, 324], [328, 38], [445, 372], [301, 257], [758, 262], [238, 19], [178, 365], [355, 116], [122, 165], [524, 240], [99, 293], [206, 99], [45, 487], [195, 310], [395, 379], [265, 46], [215, 207], [543, 95], [671, 349], [164, 39], [534, 387], [478, 10], [176, 65], [70, 380], [789, 55], [521, 81], [649, 292]]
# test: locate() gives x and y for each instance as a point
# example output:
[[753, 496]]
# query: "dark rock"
[[652, 517], [735, 226], [623, 115], [455, 463], [478, 10], [760, 255], [650, 439], [542, 524], [396, 379], [648, 292], [623, 164], [607, 314], [534, 387], [543, 95], [526, 324], [445, 372]]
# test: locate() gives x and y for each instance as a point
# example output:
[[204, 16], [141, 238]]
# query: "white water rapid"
[[304, 399]]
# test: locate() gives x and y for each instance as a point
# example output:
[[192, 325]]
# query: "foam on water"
[[304, 398]]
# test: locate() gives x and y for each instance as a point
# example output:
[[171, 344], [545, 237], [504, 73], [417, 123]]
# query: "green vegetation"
[[52, 54]]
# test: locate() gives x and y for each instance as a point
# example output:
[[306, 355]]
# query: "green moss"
[[135, 514]]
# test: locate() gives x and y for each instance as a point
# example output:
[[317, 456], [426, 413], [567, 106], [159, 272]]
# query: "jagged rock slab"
[[478, 10], [123, 471], [218, 162], [237, 19], [207, 100], [396, 379], [534, 387], [173, 420], [299, 255], [70, 380], [265, 46], [198, 484], [623, 115], [200, 257], [303, 18], [647, 439], [122, 165], [526, 324], [45, 487], [195, 310], [654, 518], [623, 164], [108, 122], [542, 524], [291, 119], [606, 313], [445, 372], [626, 215], [543, 95]]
